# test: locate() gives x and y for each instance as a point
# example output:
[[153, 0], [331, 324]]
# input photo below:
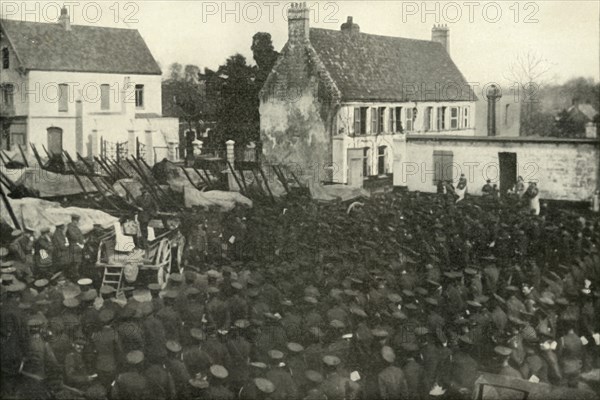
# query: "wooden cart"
[[162, 255]]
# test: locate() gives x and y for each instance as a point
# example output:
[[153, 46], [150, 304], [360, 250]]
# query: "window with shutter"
[[442, 164], [63, 97]]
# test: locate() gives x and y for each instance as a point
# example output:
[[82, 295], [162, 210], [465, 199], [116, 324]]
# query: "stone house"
[[67, 87], [336, 102]]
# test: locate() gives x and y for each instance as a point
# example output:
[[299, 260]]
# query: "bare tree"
[[529, 72]]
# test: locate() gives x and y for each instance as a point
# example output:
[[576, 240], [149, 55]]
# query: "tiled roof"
[[382, 68], [49, 47]]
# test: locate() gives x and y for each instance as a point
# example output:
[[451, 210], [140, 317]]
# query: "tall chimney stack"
[[64, 19], [298, 23], [441, 34]]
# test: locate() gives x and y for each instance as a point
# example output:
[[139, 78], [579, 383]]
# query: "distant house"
[[336, 101], [69, 87]]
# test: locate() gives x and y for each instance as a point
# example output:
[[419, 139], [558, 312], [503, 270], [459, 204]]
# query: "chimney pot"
[[64, 19]]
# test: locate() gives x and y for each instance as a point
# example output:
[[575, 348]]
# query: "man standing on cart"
[[76, 244]]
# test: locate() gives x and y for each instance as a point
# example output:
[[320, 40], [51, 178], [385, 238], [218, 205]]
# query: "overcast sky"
[[485, 36]]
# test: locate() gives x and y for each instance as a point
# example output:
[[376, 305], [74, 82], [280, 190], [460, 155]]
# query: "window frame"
[[105, 97], [8, 98], [5, 57], [454, 120], [441, 118], [382, 153], [63, 97], [442, 157], [366, 161], [410, 119]]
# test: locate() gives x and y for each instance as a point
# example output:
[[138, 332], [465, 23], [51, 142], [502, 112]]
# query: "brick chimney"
[[298, 23], [64, 19], [441, 34], [349, 26]]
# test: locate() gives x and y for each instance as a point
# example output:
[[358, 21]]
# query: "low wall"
[[564, 169]]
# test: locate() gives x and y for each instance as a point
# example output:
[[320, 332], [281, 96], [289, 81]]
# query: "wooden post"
[[24, 158]]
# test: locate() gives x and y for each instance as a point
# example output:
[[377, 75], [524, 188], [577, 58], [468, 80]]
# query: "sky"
[[485, 36]]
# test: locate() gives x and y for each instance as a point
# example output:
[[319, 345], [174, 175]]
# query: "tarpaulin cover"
[[36, 214], [226, 201], [49, 184], [133, 185]]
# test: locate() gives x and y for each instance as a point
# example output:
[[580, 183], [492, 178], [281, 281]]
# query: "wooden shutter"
[[442, 164]]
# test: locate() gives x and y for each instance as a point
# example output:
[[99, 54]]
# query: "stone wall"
[[565, 169]]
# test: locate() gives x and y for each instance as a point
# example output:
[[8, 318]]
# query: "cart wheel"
[[163, 261]]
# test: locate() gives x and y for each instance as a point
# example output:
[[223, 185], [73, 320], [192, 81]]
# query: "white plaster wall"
[[564, 171]]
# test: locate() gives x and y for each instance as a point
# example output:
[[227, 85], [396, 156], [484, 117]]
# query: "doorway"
[[355, 167], [508, 171], [55, 140]]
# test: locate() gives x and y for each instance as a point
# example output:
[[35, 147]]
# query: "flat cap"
[[135, 357], [295, 347], [388, 354], [275, 354], [173, 346], [264, 385], [313, 376], [332, 361], [219, 371], [503, 351]]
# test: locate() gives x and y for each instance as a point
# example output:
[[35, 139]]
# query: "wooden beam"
[[24, 158]]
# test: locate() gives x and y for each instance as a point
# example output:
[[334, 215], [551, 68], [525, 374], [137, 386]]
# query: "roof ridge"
[[375, 35], [2, 20]]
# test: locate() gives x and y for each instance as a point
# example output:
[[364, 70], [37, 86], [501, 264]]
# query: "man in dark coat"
[[43, 254], [76, 244], [60, 249]]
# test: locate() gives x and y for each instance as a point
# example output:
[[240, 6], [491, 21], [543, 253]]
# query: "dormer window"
[[5, 58]]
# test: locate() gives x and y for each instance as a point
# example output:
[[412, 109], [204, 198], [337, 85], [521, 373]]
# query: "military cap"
[[7, 277], [219, 371], [516, 320], [488, 257], [106, 289], [332, 361], [59, 224], [176, 277], [71, 291], [411, 306], [313, 376], [253, 292], [286, 302], [197, 334], [264, 385], [512, 288], [106, 315], [408, 293], [237, 285], [465, 339], [154, 287], [399, 315], [71, 302], [198, 382], [358, 311], [7, 267], [3, 251], [431, 301], [40, 283], [275, 354], [242, 323], [470, 271], [410, 347], [171, 294], [295, 347], [16, 286], [421, 291], [43, 302], [24, 305], [394, 298], [135, 357], [212, 290], [337, 324], [499, 299], [89, 295], [96, 392], [433, 283], [388, 354], [212, 273], [75, 216], [173, 346], [562, 301], [421, 331], [16, 232], [474, 303], [379, 332], [503, 351], [311, 291], [481, 299], [45, 229], [546, 300], [258, 364], [310, 300], [192, 291]]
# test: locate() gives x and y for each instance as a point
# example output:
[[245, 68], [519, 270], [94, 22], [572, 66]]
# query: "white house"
[[338, 103], [70, 87]]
